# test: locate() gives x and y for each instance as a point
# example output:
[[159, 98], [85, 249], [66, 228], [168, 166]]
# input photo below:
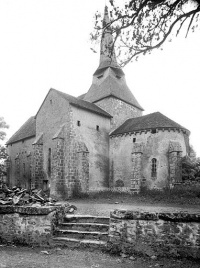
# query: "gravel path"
[[104, 209]]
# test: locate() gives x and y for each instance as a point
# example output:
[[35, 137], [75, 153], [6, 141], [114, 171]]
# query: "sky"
[[45, 44]]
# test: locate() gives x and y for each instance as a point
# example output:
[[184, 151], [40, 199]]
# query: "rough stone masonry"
[[155, 234]]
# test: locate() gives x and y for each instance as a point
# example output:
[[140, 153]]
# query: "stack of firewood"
[[20, 196]]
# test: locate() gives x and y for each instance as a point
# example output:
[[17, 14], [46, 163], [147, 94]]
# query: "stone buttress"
[[37, 173], [175, 156], [137, 153]]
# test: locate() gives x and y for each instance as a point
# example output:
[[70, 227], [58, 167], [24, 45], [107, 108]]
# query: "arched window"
[[154, 167]]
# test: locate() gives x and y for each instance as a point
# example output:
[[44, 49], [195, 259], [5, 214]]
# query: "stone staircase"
[[82, 230]]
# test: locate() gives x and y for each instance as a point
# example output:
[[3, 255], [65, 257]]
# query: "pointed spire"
[[106, 19], [107, 53]]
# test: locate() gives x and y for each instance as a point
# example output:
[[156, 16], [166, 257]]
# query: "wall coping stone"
[[44, 210], [154, 216], [60, 133], [38, 140]]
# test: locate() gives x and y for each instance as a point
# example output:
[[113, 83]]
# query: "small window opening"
[[78, 123], [97, 127], [119, 77], [134, 139], [50, 101], [49, 161], [154, 168], [153, 131], [100, 76]]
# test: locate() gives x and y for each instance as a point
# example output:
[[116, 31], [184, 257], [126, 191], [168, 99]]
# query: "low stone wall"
[[26, 225], [155, 234]]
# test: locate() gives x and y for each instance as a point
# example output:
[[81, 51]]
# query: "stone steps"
[[85, 226], [86, 219], [72, 242], [82, 230]]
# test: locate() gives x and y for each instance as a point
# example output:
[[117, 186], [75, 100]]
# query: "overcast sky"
[[45, 44]]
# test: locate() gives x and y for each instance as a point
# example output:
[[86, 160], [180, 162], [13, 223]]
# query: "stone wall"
[[93, 134], [19, 172], [156, 145], [175, 168], [79, 153], [53, 113], [120, 110], [137, 167], [57, 177], [29, 225], [37, 174], [155, 234]]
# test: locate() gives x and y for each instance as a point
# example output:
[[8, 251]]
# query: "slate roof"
[[147, 122], [83, 104], [111, 87], [27, 130]]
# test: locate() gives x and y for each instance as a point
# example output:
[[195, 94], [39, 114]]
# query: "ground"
[[101, 208], [23, 257]]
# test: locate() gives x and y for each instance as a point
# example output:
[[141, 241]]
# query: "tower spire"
[[107, 52]]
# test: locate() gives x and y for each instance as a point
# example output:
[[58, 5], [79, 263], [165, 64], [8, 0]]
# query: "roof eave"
[[92, 111], [148, 129], [15, 141]]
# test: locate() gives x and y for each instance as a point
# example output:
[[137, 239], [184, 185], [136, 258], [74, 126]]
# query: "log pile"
[[20, 196]]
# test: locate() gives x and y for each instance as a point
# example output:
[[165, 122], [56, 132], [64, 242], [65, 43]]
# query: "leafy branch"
[[140, 26]]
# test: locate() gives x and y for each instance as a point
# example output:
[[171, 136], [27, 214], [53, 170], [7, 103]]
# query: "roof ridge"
[[80, 103]]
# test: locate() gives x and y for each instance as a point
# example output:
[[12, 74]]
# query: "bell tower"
[[109, 89]]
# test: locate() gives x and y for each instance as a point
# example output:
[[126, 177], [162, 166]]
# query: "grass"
[[180, 195]]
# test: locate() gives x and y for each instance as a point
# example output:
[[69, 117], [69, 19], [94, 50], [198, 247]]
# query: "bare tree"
[[140, 26]]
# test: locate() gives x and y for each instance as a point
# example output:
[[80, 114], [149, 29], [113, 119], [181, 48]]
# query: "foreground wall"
[[29, 225], [155, 234]]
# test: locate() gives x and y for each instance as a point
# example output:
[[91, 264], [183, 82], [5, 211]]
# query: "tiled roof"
[[83, 104], [111, 87], [146, 122], [27, 130]]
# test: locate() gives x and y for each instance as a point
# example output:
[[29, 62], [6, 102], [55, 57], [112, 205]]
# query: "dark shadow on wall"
[[103, 165]]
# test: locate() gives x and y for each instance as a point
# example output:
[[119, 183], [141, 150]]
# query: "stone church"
[[98, 140]]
